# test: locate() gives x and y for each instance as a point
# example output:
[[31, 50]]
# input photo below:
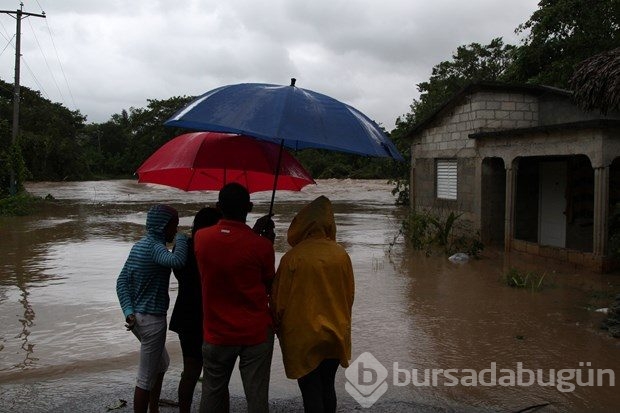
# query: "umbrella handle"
[[275, 178]]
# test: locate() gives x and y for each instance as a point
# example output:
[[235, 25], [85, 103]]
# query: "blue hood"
[[157, 218]]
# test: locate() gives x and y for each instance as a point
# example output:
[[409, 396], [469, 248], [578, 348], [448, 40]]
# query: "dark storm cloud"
[[368, 53]]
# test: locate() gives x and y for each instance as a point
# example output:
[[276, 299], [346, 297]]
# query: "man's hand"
[[130, 322], [265, 226]]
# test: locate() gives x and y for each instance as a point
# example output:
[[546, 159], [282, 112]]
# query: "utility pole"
[[18, 15]]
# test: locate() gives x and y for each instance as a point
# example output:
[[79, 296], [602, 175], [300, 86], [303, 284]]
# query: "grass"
[[530, 280]]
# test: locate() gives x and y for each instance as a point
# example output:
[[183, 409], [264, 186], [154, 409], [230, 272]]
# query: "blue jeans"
[[151, 331], [255, 369]]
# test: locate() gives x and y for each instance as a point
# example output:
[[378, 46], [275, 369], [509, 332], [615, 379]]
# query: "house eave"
[[536, 90], [586, 124]]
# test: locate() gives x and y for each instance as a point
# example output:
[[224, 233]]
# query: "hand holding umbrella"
[[265, 227]]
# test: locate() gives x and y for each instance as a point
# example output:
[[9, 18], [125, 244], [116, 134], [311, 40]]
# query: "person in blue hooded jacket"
[[142, 289]]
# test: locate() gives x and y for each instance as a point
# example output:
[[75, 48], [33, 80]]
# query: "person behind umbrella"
[[186, 317], [237, 266], [312, 298], [142, 289]]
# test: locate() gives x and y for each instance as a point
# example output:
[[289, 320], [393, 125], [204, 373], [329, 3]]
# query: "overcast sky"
[[103, 56]]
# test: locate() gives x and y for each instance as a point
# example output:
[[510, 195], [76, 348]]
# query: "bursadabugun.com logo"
[[367, 378]]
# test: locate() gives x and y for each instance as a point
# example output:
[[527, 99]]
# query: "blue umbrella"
[[288, 115], [298, 117]]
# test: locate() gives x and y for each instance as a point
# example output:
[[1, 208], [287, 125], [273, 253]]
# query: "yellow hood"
[[312, 294], [315, 220]]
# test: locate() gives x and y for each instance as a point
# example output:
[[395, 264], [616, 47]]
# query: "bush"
[[427, 230], [21, 204]]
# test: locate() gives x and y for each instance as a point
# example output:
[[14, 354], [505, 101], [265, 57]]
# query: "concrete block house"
[[525, 166]]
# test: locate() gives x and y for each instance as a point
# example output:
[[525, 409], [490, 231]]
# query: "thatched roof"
[[596, 82]]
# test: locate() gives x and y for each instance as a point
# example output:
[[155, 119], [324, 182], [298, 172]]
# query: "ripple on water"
[[59, 271]]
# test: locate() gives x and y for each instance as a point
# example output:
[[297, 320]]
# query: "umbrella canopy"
[[209, 160], [298, 118]]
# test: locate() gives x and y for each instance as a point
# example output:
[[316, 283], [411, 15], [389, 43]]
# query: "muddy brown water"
[[60, 321]]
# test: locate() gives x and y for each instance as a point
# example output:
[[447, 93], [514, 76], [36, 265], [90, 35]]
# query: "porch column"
[[601, 210], [511, 184]]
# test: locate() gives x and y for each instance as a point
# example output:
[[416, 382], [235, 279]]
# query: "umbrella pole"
[[275, 178]]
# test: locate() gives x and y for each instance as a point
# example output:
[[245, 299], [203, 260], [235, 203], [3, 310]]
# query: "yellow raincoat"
[[313, 293]]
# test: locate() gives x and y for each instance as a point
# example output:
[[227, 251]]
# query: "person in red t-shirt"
[[237, 266]]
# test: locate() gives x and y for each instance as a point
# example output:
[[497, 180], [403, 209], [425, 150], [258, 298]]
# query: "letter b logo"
[[366, 379], [367, 375]]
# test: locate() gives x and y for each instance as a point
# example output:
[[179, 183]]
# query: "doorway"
[[552, 204]]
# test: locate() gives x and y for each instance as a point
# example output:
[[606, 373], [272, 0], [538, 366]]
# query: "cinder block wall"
[[449, 138], [483, 111]]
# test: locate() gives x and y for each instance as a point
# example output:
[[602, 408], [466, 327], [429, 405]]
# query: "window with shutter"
[[446, 179]]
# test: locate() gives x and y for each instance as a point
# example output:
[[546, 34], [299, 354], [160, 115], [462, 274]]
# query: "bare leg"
[[191, 372], [155, 393], [140, 400]]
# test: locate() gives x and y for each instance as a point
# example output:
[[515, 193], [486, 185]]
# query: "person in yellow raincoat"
[[312, 298]]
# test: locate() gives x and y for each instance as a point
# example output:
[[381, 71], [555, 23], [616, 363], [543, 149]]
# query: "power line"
[[56, 83], [36, 81], [38, 4], [39, 85], [60, 64], [46, 63], [5, 34], [7, 45]]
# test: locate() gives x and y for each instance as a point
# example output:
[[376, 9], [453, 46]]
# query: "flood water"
[[60, 318]]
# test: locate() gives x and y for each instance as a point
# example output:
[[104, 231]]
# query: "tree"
[[470, 63], [562, 33], [47, 146]]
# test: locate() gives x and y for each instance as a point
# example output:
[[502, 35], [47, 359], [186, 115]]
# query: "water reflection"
[[26, 322]]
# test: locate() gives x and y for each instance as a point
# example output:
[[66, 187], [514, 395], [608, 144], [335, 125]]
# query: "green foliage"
[[473, 62], [416, 229], [46, 147], [56, 144], [12, 159], [20, 204], [560, 34], [524, 279], [427, 230], [470, 63], [323, 164], [400, 190], [118, 147]]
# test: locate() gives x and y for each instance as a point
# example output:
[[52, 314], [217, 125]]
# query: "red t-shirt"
[[236, 268]]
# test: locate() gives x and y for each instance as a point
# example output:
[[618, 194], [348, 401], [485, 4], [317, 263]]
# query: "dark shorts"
[[191, 345]]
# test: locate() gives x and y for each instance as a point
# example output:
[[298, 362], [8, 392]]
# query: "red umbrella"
[[209, 160]]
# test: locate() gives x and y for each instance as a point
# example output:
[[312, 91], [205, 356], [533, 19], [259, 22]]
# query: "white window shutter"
[[446, 178]]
